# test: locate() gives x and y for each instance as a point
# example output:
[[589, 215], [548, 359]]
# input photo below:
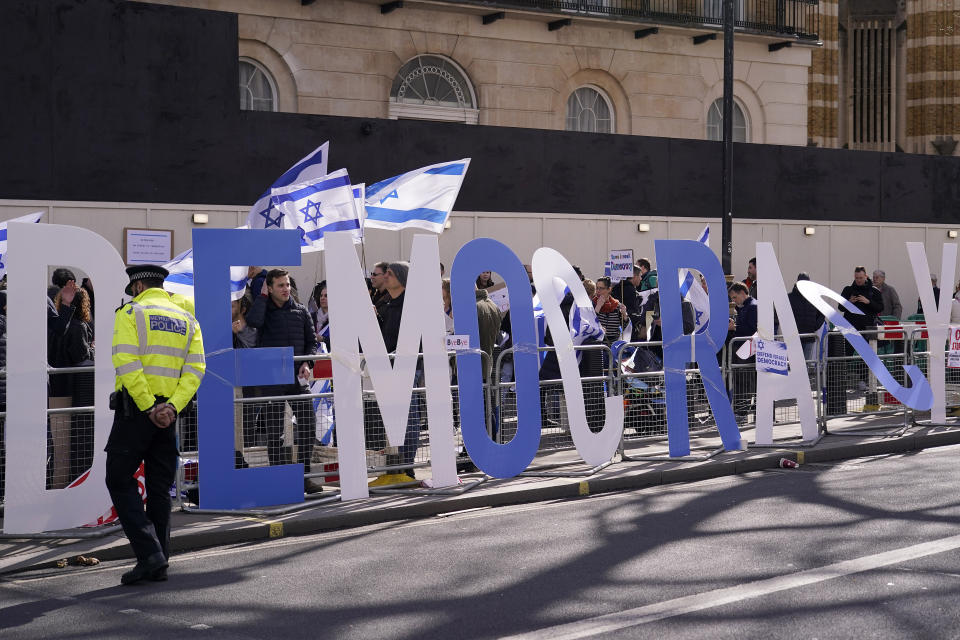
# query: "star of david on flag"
[[262, 214], [420, 199], [30, 217], [318, 206]]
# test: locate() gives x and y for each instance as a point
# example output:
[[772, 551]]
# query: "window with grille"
[[589, 110], [257, 89], [715, 122]]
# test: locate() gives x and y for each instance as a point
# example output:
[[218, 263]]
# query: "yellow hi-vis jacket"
[[157, 350]]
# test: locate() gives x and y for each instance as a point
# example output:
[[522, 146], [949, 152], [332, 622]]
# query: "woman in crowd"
[[611, 313], [72, 346], [485, 280], [320, 312]]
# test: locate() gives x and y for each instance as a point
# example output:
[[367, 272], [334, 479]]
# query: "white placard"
[[458, 342], [621, 264], [147, 246], [500, 296], [772, 356], [953, 359]]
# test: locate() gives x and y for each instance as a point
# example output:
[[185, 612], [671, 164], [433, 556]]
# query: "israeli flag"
[[30, 217], [318, 206], [262, 214], [360, 201], [180, 279], [420, 199], [692, 291]]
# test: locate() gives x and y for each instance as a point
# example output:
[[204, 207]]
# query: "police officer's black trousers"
[[134, 440]]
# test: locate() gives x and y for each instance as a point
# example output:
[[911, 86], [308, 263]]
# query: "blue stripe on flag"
[[3, 235], [448, 170], [326, 185], [293, 172], [340, 225], [399, 215], [687, 283], [184, 277]]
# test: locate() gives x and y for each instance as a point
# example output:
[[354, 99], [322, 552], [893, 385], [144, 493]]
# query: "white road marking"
[[611, 622]]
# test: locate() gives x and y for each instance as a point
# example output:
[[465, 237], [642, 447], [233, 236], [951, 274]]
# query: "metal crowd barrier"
[[918, 349], [555, 435], [741, 379], [852, 389], [642, 384]]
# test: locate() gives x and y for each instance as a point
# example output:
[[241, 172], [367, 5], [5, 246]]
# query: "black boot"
[[154, 565]]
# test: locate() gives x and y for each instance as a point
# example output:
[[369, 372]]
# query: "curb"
[[253, 531]]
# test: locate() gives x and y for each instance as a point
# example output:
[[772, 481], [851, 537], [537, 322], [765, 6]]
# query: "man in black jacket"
[[868, 299], [395, 285], [808, 319], [281, 322]]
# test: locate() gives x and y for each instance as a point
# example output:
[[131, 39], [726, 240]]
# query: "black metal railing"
[[791, 18]]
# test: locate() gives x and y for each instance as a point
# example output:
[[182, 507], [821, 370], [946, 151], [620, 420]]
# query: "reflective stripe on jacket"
[[157, 350]]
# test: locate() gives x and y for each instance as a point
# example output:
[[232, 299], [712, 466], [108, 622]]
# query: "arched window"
[[257, 89], [589, 110], [431, 87], [715, 122]]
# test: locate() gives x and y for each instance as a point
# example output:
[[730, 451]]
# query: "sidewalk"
[[193, 530]]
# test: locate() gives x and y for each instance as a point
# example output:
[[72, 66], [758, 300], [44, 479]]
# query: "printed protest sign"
[[772, 357], [621, 264], [953, 359]]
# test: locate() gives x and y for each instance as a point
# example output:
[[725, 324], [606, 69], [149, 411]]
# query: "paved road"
[[866, 548]]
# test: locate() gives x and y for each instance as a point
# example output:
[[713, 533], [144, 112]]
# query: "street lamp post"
[[726, 253]]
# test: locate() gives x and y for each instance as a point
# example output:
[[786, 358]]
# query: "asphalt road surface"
[[866, 548]]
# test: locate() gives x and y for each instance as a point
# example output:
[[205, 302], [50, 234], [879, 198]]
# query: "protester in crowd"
[[485, 280], [648, 276], [251, 414], [627, 293], [744, 326], [955, 308], [611, 313], [808, 319], [72, 346], [158, 356], [448, 306], [867, 298], [936, 293], [576, 269], [255, 278], [87, 285], [751, 279], [317, 307], [891, 301], [395, 282], [281, 322], [488, 318], [590, 287], [380, 297]]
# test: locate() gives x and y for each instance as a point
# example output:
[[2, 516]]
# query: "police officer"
[[158, 357]]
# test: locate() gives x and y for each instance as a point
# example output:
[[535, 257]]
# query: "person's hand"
[[304, 370], [732, 324], [163, 415]]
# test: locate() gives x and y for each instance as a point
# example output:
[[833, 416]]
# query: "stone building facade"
[[601, 72], [886, 77]]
